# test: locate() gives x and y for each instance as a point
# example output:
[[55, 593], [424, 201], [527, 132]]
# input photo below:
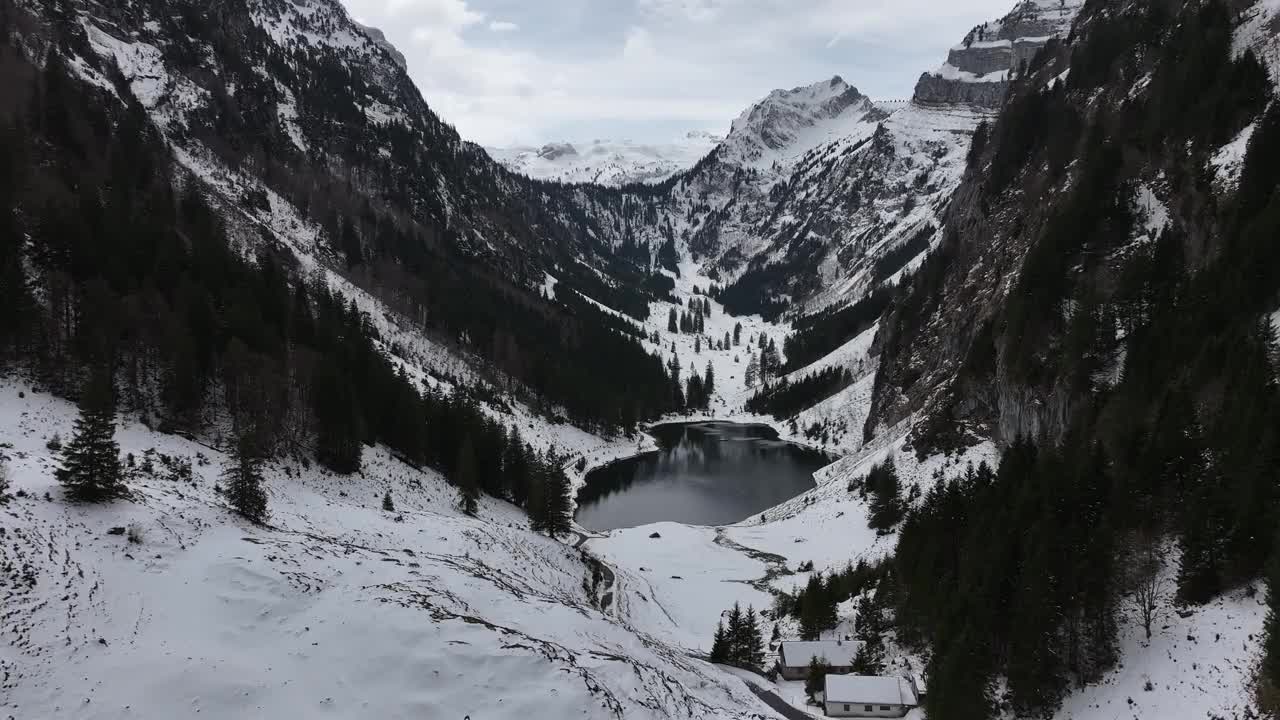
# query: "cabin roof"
[[868, 689], [836, 652]]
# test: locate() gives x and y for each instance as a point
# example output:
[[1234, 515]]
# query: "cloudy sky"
[[531, 71]]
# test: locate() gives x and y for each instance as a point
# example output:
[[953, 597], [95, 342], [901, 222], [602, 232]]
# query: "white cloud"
[[450, 14], [695, 10], [651, 69], [638, 45]]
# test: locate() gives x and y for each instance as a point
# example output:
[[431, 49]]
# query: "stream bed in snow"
[[706, 473]]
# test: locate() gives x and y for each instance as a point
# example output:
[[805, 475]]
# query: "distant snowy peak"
[[607, 162], [977, 71], [789, 123]]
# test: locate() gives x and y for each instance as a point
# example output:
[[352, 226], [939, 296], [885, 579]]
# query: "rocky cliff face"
[[1017, 324], [849, 203], [977, 71], [298, 99]]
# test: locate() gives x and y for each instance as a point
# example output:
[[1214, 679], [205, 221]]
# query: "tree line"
[[139, 301], [740, 643]]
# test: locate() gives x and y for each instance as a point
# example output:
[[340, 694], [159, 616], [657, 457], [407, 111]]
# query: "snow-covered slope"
[[607, 162], [337, 609], [780, 129]]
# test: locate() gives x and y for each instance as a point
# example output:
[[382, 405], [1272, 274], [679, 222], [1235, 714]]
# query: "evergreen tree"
[[753, 370], [816, 679], [387, 503], [871, 623], [537, 495], [735, 634], [515, 468], [719, 645], [817, 609], [672, 323], [677, 389], [339, 427], [770, 363], [466, 478], [752, 650], [886, 503], [243, 477], [558, 516], [91, 461], [737, 333], [709, 383], [1270, 675]]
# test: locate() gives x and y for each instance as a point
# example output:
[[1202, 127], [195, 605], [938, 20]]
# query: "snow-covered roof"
[[836, 652], [868, 689]]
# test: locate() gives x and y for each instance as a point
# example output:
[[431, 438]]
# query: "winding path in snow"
[[771, 698], [606, 600]]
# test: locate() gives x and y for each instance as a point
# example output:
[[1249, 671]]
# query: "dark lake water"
[[710, 473]]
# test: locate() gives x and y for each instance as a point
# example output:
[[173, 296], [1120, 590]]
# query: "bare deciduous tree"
[[1145, 583]]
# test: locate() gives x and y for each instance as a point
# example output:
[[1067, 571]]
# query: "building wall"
[[834, 709], [802, 672]]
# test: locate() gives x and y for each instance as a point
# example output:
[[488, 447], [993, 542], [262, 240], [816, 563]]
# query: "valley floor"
[[340, 609]]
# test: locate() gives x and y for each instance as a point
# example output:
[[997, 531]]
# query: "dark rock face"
[[982, 59], [933, 89], [974, 351], [380, 39], [554, 151]]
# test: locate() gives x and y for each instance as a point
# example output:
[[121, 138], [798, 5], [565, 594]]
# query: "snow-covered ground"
[[338, 609], [1198, 663]]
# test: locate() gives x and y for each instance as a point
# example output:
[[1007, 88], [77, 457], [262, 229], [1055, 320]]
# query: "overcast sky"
[[532, 71]]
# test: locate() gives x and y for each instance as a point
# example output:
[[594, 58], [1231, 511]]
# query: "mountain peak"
[[788, 122]]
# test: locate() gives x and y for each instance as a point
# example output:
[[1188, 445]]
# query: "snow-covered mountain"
[[814, 187], [290, 118], [611, 163], [777, 131]]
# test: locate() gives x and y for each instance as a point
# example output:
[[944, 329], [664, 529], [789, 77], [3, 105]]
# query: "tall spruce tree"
[[734, 634], [243, 476], [515, 468], [752, 647], [558, 515], [817, 609], [886, 501], [816, 679], [720, 645], [91, 461]]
